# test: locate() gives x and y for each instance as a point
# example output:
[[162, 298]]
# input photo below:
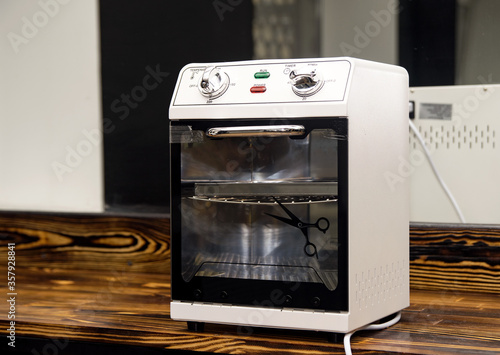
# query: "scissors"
[[309, 248]]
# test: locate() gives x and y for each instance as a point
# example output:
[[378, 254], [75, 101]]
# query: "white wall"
[[360, 28], [50, 111], [478, 54]]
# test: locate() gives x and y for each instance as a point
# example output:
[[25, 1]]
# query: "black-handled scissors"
[[309, 248]]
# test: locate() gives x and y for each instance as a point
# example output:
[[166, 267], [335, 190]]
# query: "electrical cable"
[[436, 173], [347, 336]]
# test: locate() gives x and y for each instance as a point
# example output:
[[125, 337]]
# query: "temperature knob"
[[306, 82], [214, 82]]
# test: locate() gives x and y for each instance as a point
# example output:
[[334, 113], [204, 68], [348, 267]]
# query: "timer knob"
[[306, 82], [214, 82]]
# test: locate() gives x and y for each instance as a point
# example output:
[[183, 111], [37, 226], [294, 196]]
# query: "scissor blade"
[[287, 211], [283, 219], [290, 222]]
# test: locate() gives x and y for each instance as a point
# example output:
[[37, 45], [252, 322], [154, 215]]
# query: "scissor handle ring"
[[327, 224], [315, 252]]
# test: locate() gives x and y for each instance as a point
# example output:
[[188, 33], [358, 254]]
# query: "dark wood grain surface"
[[116, 307], [103, 279], [89, 242], [455, 257]]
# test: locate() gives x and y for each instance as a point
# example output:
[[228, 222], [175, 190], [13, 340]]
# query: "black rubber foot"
[[335, 337], [196, 326]]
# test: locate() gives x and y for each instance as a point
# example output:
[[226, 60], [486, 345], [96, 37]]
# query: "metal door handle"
[[255, 131]]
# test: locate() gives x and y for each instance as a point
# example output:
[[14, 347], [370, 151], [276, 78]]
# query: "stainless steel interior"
[[234, 190]]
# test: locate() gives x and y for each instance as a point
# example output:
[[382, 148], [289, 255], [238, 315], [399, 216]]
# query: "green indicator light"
[[262, 75]]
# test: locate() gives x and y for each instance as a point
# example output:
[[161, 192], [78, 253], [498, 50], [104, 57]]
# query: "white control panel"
[[263, 82]]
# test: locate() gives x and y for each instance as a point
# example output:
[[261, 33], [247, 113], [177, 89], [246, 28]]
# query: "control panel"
[[263, 82]]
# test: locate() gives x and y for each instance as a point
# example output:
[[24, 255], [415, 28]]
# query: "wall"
[[477, 42], [361, 29], [144, 45], [50, 106]]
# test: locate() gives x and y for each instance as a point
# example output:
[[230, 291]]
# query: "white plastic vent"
[[379, 285], [451, 137], [464, 146]]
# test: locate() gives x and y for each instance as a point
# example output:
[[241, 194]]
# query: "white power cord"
[[347, 337], [436, 173]]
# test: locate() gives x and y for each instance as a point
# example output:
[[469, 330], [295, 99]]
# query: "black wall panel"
[[427, 41], [144, 44]]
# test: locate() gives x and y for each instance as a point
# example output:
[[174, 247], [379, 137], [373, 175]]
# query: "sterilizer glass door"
[[258, 209]]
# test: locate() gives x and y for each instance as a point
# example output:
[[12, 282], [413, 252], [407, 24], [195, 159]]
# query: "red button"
[[258, 89]]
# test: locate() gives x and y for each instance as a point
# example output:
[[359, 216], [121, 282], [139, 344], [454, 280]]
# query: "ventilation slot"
[[450, 137], [380, 285]]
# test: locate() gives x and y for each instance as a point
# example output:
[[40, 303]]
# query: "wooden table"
[[100, 284]]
